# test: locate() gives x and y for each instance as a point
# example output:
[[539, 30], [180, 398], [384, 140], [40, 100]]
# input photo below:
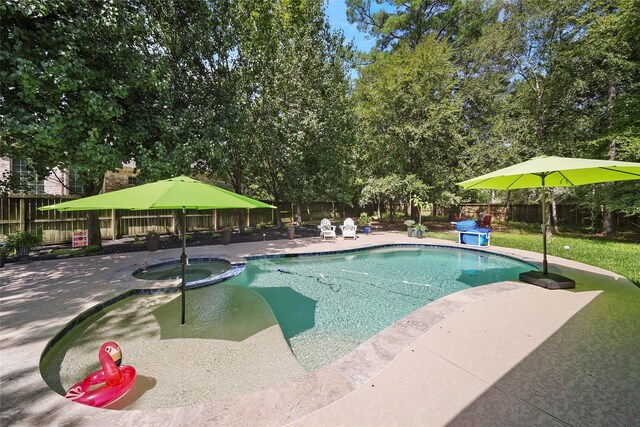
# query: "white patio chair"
[[348, 228], [326, 229]]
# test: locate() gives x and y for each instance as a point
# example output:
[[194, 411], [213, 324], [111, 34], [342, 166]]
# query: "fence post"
[[22, 217], [114, 225]]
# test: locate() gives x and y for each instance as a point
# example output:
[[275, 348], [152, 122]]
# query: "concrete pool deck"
[[500, 354]]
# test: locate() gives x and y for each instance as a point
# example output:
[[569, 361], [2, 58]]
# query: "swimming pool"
[[325, 306], [328, 305]]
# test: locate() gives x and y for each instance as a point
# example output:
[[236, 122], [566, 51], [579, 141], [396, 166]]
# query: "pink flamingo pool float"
[[106, 385]]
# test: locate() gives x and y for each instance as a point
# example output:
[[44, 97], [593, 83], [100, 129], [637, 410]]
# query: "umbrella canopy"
[[541, 172], [174, 193], [554, 172]]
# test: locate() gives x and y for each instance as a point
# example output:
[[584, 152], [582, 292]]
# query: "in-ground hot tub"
[[199, 271]]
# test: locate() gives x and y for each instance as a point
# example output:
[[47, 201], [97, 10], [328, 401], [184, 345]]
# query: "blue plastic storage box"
[[477, 237], [468, 225]]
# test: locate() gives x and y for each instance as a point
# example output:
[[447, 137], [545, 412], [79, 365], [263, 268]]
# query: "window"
[[74, 186], [28, 181], [134, 180]]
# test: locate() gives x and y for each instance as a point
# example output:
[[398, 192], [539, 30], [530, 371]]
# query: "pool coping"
[[235, 268], [373, 355], [388, 245]]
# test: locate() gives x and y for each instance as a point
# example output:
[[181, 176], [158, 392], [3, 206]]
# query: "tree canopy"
[[524, 78], [259, 94]]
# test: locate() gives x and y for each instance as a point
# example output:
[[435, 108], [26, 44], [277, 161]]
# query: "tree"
[[388, 189], [410, 116], [299, 106], [74, 79], [395, 22], [193, 108], [193, 42], [597, 97]]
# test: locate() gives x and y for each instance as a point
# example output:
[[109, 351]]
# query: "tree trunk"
[[379, 207], [554, 212], [241, 220], [415, 213], [541, 119], [278, 215], [548, 213], [391, 211], [507, 210], [608, 225], [94, 236], [93, 229], [299, 214], [236, 184], [593, 212], [177, 222]]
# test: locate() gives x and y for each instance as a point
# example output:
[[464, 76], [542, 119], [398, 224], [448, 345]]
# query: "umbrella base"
[[548, 281]]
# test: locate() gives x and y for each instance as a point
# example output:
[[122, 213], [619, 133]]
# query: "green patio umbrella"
[[542, 172], [174, 193]]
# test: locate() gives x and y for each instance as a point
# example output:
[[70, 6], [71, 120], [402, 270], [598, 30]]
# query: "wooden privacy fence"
[[567, 214], [20, 213]]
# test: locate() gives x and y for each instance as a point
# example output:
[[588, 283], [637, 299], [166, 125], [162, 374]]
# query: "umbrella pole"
[[546, 279], [183, 261], [545, 271]]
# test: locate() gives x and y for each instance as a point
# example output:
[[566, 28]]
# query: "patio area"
[[501, 354]]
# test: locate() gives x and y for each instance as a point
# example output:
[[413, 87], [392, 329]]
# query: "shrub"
[[364, 219], [22, 239], [92, 249], [397, 216]]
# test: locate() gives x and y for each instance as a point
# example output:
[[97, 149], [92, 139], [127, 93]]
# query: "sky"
[[337, 13]]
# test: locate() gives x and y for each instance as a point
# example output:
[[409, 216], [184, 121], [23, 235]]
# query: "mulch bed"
[[129, 244]]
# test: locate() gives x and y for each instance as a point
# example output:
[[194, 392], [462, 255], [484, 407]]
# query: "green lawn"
[[622, 258]]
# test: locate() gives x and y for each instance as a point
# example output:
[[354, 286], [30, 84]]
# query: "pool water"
[[328, 305], [231, 344], [196, 270]]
